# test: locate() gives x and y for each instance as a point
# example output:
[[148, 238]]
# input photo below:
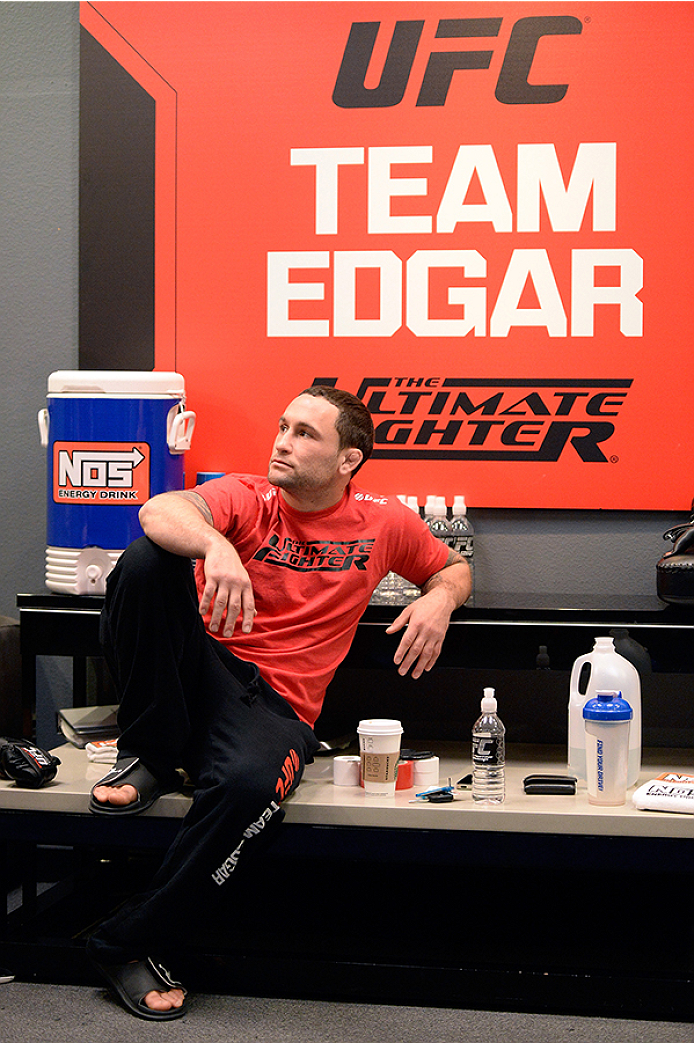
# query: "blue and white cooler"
[[114, 439]]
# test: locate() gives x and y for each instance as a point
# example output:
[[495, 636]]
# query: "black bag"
[[26, 764], [675, 570]]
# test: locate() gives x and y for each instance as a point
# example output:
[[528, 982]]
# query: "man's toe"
[[119, 795]]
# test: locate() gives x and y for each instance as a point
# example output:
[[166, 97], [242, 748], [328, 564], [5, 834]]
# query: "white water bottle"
[[463, 537], [429, 509], [435, 517], [603, 670], [488, 753]]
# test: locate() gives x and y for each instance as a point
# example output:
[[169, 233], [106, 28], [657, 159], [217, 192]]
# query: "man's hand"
[[426, 620], [181, 522], [228, 592]]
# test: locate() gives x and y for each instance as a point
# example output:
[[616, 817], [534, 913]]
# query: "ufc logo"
[[512, 86]]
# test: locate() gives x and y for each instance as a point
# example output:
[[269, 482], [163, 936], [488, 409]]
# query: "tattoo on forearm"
[[440, 577], [198, 501]]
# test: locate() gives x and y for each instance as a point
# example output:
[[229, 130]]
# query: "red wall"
[[493, 250]]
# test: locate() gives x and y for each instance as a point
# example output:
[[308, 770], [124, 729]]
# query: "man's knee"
[[143, 561], [141, 554], [272, 784]]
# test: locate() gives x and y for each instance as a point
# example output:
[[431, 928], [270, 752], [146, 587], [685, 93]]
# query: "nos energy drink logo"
[[101, 472]]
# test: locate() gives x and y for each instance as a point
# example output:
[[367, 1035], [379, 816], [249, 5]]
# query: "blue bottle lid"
[[608, 707]]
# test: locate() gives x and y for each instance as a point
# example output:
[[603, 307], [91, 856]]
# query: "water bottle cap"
[[438, 507], [607, 707], [459, 505], [489, 701]]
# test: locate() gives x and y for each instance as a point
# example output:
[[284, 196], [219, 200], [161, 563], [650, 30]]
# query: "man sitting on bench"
[[223, 673]]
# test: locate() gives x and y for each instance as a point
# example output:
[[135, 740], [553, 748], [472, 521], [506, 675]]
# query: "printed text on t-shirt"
[[315, 555]]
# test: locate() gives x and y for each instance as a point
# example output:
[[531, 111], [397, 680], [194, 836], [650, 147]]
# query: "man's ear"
[[351, 460]]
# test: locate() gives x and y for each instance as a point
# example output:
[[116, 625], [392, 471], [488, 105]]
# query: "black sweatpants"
[[187, 702]]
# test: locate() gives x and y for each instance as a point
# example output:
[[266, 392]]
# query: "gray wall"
[[605, 553], [578, 552], [39, 108]]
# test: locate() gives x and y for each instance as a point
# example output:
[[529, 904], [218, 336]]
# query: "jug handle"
[[181, 431], [43, 427], [577, 674]]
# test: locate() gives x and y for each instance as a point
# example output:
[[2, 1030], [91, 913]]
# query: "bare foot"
[[164, 1000], [117, 795], [130, 787]]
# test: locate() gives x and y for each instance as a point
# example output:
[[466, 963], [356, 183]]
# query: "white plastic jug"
[[603, 669]]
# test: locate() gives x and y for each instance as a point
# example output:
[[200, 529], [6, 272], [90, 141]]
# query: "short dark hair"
[[354, 425]]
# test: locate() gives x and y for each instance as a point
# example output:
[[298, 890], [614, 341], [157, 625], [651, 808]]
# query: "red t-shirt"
[[313, 573]]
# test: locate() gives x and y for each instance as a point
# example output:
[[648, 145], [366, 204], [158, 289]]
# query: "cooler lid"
[[115, 382]]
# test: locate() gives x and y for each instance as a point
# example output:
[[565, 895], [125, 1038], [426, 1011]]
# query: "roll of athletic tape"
[[346, 771], [426, 773]]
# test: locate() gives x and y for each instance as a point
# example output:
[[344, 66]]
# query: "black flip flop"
[[132, 771], [129, 983]]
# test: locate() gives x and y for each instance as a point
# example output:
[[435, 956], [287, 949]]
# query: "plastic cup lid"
[[379, 726], [608, 707]]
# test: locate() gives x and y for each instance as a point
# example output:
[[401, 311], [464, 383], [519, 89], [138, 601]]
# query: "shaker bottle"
[[607, 719]]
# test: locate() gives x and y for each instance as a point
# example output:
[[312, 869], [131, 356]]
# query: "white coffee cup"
[[606, 719], [379, 747]]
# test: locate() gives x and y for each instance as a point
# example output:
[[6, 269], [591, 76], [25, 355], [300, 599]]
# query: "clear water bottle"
[[435, 516], [408, 592], [488, 753], [429, 510], [463, 537], [390, 590], [394, 589]]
